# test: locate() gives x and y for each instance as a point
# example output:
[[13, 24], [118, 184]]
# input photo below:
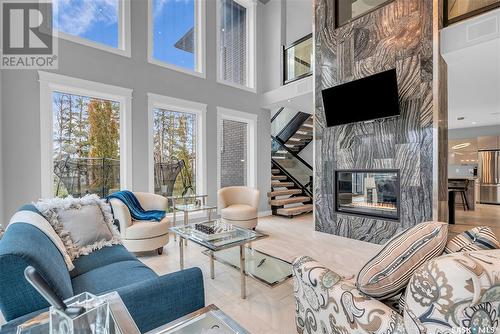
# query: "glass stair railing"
[[292, 165], [298, 60], [281, 119]]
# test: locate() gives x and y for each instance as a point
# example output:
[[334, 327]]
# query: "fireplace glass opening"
[[372, 193]]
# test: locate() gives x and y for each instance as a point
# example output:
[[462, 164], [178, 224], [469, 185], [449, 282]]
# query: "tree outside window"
[[174, 136], [86, 143]]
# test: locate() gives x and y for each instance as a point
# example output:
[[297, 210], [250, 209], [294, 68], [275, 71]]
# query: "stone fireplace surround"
[[398, 35]]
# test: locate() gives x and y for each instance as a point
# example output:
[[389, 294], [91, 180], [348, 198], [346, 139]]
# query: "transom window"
[[103, 24], [176, 29], [236, 42]]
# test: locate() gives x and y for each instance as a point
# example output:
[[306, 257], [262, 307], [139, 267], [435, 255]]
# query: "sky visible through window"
[[173, 35], [94, 20]]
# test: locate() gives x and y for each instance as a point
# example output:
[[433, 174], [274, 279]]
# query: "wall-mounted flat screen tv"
[[362, 100]]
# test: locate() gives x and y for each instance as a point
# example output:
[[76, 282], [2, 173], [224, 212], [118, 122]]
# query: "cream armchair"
[[239, 206], [454, 293], [140, 236]]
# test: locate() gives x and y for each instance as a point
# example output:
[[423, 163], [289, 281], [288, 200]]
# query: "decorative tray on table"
[[213, 230]]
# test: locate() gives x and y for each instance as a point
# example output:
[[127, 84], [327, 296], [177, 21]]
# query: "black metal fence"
[[80, 176]]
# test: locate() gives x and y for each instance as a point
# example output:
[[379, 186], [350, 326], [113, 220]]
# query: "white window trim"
[[124, 32], [251, 121], [251, 86], [50, 83], [174, 104], [200, 43]]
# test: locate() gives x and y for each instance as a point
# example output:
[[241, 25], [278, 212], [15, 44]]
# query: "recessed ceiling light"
[[289, 100], [460, 146], [474, 122], [460, 118]]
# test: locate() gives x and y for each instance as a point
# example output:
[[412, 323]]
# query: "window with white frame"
[[85, 144], [104, 24], [236, 42], [237, 144], [177, 148], [176, 34]]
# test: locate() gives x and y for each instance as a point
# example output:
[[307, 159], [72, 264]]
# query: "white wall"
[[282, 23], [298, 19], [272, 40], [20, 128]]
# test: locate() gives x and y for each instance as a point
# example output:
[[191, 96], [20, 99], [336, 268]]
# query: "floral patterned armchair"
[[453, 294]]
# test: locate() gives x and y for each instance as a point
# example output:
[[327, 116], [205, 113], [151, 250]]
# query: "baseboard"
[[264, 213]]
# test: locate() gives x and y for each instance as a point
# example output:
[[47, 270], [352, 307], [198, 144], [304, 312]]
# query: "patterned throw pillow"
[[388, 273], [477, 238], [83, 224]]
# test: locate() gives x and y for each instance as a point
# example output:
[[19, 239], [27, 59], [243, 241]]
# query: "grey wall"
[[399, 36], [474, 132], [1, 158], [21, 107], [298, 19]]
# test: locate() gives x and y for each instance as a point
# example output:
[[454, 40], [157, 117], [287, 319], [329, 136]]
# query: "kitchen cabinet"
[[488, 143]]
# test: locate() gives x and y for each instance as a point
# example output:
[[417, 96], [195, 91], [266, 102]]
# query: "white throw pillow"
[[83, 224]]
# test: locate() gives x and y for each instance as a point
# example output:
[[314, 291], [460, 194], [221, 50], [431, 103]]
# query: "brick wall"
[[233, 153]]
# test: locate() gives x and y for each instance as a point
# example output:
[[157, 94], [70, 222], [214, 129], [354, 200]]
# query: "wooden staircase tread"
[[306, 129], [275, 171], [301, 137], [284, 192], [290, 200], [282, 184], [278, 177], [296, 210]]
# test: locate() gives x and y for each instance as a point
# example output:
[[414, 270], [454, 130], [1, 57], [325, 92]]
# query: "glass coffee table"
[[238, 236], [190, 204], [202, 321]]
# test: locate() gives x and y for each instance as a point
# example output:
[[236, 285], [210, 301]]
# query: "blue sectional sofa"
[[152, 300]]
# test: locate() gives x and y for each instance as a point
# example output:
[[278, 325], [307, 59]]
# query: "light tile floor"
[[267, 310], [483, 215]]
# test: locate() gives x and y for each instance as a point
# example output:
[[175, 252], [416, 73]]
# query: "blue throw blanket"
[[137, 212]]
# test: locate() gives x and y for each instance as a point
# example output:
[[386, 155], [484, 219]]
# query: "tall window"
[[86, 145], [236, 40], [233, 153], [174, 152], [237, 145], [98, 23], [176, 34]]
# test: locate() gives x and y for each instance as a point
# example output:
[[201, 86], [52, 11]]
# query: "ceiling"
[[472, 51]]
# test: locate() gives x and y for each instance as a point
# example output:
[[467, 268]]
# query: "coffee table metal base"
[[243, 285]]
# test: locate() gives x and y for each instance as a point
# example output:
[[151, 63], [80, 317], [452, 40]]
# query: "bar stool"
[[460, 186]]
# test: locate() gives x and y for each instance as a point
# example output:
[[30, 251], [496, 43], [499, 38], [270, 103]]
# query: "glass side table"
[[202, 321], [239, 236], [190, 204]]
